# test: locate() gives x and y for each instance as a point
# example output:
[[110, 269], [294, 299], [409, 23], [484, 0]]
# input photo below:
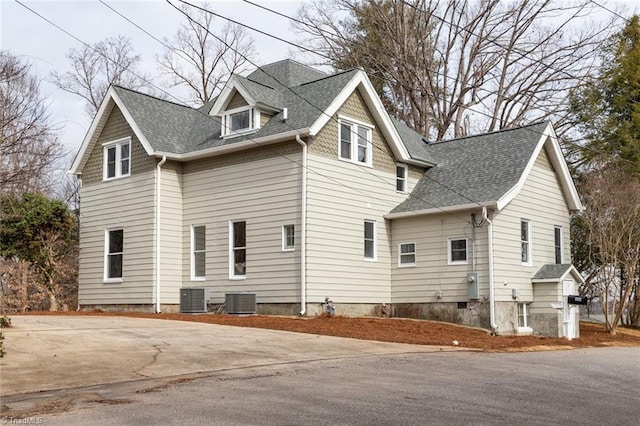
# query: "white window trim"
[[284, 238], [375, 241], [405, 180], [116, 143], [529, 261], [194, 277], [105, 276], [525, 311], [561, 243], [226, 132], [354, 141], [457, 262], [232, 276], [415, 255]]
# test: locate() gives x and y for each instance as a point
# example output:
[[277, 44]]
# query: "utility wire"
[[181, 103], [568, 141], [294, 92], [96, 50]]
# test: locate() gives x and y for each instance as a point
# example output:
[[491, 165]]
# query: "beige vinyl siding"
[[125, 203], [264, 118], [264, 192], [171, 238], [236, 101], [116, 127], [432, 275], [340, 196], [326, 143], [542, 202]]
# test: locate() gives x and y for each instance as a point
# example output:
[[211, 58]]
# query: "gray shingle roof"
[[551, 271], [286, 72], [413, 141], [179, 129], [170, 127], [475, 169]]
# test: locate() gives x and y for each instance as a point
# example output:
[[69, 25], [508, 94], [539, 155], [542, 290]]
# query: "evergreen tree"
[[607, 108]]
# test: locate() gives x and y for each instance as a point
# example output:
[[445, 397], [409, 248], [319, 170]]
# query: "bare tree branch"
[[95, 68], [199, 61]]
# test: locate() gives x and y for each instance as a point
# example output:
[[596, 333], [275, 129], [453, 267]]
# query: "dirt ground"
[[402, 331]]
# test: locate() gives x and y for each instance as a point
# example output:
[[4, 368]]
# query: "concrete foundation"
[[146, 308], [473, 313]]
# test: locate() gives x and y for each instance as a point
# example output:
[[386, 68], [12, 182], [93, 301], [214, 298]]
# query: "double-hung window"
[[114, 251], [457, 251], [288, 237], [401, 177], [198, 252], [237, 249], [407, 254], [355, 140], [369, 240], [557, 243], [525, 242], [117, 159]]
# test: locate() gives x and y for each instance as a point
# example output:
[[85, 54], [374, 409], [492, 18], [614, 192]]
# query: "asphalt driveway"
[[61, 352]]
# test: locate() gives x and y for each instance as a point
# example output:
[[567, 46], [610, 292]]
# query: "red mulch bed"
[[400, 330]]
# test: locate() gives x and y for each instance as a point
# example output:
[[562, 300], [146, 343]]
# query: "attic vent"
[[240, 303], [193, 300]]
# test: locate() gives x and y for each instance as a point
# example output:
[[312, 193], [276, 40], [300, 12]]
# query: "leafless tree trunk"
[[28, 146], [198, 60], [95, 68], [458, 66], [612, 221]]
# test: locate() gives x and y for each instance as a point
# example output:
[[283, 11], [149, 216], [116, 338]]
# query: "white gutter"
[[492, 293], [303, 230], [435, 210], [233, 147], [158, 188]]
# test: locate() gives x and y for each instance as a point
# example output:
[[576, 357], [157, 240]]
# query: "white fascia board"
[[435, 210], [375, 107], [549, 140], [561, 167], [573, 271], [234, 147], [225, 96], [111, 98]]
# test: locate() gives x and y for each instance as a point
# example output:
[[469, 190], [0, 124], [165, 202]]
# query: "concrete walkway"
[[59, 352]]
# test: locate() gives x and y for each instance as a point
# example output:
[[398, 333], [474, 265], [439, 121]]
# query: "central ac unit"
[[240, 303], [193, 300]]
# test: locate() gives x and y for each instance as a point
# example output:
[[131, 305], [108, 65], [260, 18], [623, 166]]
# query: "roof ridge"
[[288, 60], [510, 129], [155, 97], [257, 82], [328, 76]]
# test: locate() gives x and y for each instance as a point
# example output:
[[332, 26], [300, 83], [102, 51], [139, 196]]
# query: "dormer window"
[[240, 120]]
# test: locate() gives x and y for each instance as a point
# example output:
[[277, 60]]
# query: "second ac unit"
[[240, 303], [193, 300]]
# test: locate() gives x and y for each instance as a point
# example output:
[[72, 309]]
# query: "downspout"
[[158, 189], [303, 230], [79, 177], [492, 295]]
